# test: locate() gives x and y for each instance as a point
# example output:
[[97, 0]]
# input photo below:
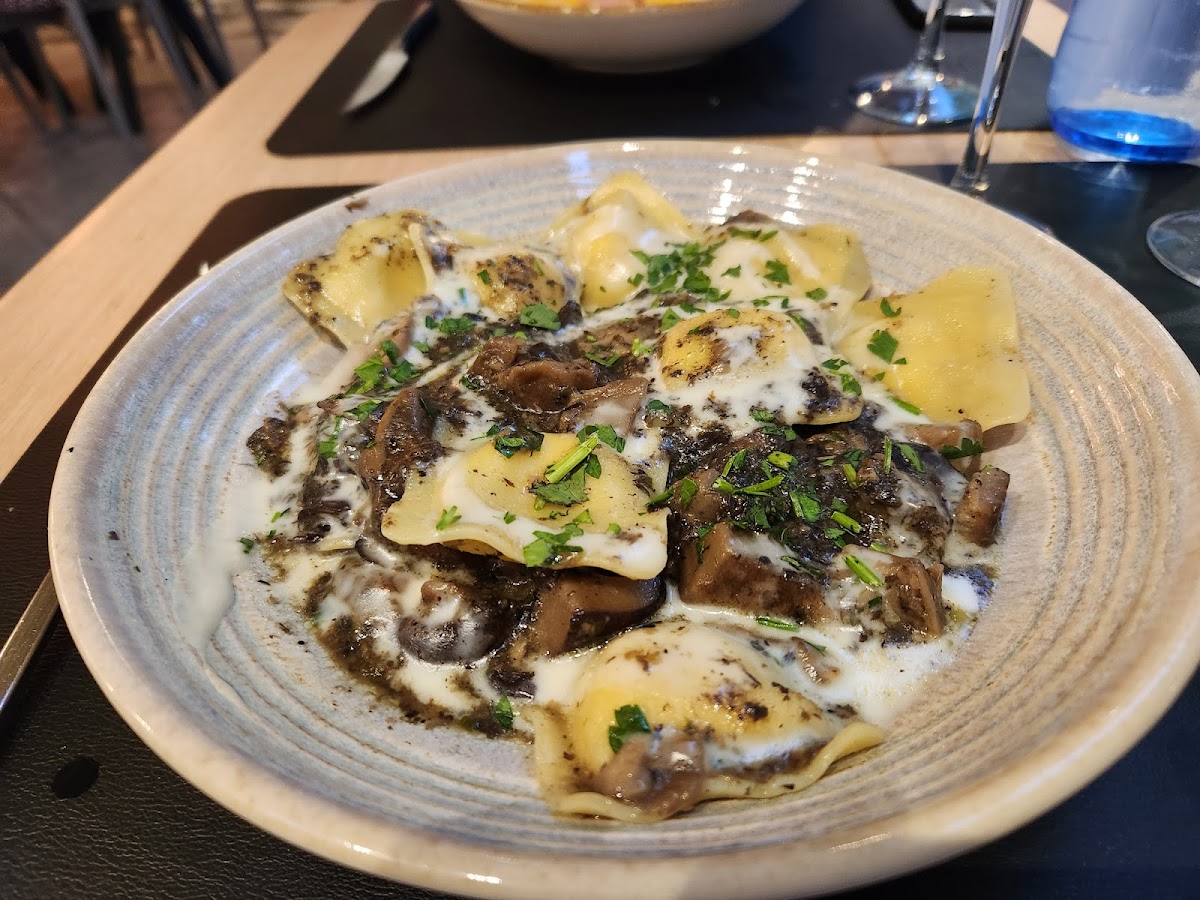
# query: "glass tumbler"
[[1126, 79]]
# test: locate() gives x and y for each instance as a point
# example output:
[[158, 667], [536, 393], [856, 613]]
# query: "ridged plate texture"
[[1093, 630]]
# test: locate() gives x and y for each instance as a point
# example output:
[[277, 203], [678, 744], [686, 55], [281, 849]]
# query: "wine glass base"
[[916, 97], [1174, 240]]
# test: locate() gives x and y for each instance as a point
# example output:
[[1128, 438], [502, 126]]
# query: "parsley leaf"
[[968, 447], [548, 548], [607, 362], [247, 544], [657, 406], [539, 315], [777, 272], [862, 571], [816, 294], [776, 623], [565, 493], [626, 721], [448, 518], [669, 320], [606, 433], [906, 406], [503, 713], [883, 345], [886, 309], [910, 456]]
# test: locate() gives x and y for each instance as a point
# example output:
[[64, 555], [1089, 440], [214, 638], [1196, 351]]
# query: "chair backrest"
[[28, 7]]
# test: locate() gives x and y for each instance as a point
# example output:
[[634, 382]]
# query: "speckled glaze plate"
[[1093, 630]]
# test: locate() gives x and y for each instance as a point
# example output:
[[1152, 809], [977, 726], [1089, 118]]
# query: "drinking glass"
[[1174, 240], [920, 93]]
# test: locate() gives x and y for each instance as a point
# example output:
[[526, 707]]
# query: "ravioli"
[[955, 353], [672, 501], [376, 271], [484, 502], [601, 233]]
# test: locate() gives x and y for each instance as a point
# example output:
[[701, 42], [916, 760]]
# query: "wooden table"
[[102, 272]]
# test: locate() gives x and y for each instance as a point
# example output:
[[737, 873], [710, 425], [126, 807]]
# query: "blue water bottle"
[[1126, 79]]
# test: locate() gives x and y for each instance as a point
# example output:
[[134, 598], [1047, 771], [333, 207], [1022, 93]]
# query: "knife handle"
[[424, 14]]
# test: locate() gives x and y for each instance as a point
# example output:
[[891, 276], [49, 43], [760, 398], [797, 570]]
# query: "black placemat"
[[87, 810], [466, 88]]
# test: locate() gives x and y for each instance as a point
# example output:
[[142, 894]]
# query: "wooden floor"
[[49, 183]]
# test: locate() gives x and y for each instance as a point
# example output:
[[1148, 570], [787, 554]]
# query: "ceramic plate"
[[1093, 630]]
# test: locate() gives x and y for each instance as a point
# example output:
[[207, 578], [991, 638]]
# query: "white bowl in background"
[[628, 39]]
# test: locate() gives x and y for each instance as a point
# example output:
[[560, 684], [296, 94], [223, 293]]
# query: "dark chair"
[[96, 28]]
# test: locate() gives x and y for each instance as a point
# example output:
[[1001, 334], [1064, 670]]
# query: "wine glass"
[[1007, 25], [1174, 240], [920, 93]]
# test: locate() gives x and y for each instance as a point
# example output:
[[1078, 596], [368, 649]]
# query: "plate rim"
[[888, 850]]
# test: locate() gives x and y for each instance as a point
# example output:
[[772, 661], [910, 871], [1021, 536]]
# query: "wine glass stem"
[[929, 53], [1009, 22]]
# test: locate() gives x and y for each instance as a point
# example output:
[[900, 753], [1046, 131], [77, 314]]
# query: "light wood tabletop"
[[59, 319]]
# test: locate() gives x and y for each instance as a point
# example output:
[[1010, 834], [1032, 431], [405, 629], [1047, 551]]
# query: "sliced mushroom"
[[661, 773], [939, 436], [979, 510]]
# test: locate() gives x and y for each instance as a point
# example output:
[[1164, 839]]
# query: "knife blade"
[[394, 58]]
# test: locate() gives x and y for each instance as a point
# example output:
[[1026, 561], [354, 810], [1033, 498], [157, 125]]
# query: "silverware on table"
[[18, 650], [393, 60]]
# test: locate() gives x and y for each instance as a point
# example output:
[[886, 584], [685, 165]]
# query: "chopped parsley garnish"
[[886, 309], [363, 409], [247, 544], [911, 457], [802, 566], [845, 521], [508, 443], [817, 294], [782, 460], [806, 506], [883, 345], [607, 362], [393, 352], [756, 235], [567, 492], [834, 364], [279, 515], [484, 276], [537, 267], [641, 348], [539, 315], [875, 602], [733, 271], [681, 269], [626, 721], [509, 518], [327, 448], [606, 433], [733, 313], [614, 528], [455, 324], [503, 713], [776, 623], [657, 406], [906, 406], [548, 548], [561, 469], [637, 279], [762, 415], [471, 382], [448, 518], [862, 571], [777, 272], [968, 447], [849, 383], [687, 492], [761, 301], [669, 320]]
